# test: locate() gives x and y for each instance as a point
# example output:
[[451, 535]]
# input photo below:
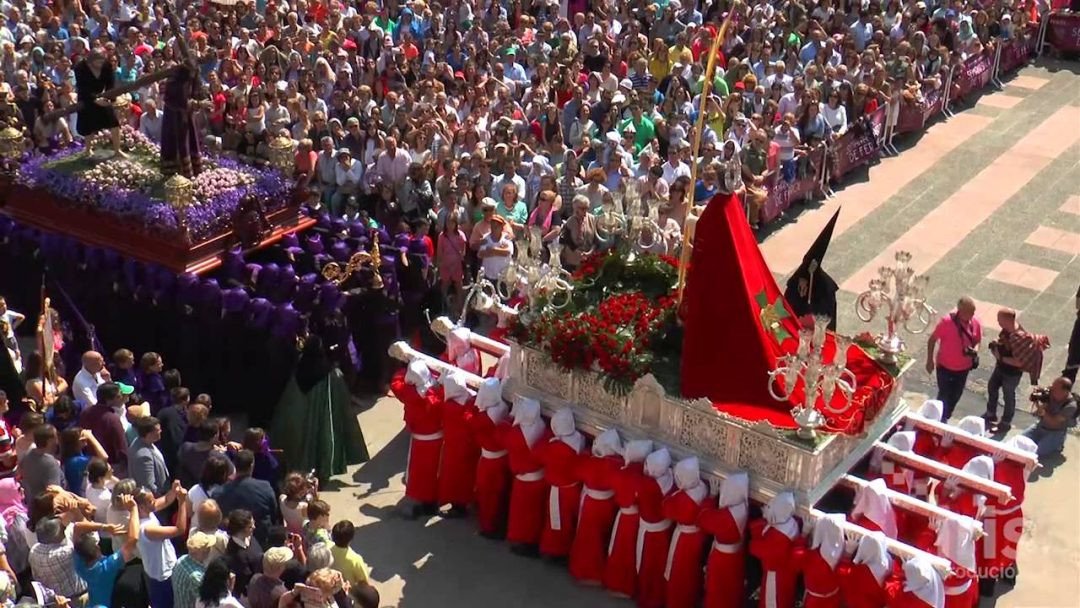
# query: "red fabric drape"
[[728, 352]]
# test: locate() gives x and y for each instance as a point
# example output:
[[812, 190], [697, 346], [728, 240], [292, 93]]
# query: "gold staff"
[[699, 127]]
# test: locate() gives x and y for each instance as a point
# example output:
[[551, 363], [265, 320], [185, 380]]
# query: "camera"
[[1040, 395]]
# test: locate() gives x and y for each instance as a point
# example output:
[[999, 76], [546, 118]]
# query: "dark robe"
[[313, 423], [179, 133], [92, 117], [822, 296]]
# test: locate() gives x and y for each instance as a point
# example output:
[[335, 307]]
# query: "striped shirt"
[[186, 578]]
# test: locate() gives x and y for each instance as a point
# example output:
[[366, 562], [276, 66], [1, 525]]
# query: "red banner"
[[1064, 32], [1015, 54], [914, 116], [856, 149], [974, 73]]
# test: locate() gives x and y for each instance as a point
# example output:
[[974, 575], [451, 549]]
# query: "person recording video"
[[1055, 409]]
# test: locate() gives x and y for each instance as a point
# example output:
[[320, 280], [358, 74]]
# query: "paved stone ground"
[[989, 204]]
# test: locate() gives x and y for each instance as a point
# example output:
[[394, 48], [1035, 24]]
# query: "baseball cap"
[[125, 389]]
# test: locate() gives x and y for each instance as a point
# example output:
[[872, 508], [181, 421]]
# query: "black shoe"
[[429, 508], [525, 550], [1002, 427]]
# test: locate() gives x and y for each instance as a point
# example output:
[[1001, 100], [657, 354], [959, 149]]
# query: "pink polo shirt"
[[950, 351]]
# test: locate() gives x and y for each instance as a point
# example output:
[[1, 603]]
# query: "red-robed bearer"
[[654, 531], [873, 510], [897, 477], [683, 571], [1004, 523], [922, 586], [773, 540], [423, 419], [620, 571], [561, 457], [460, 451], [957, 453], [493, 467], [460, 351], [927, 443], [820, 563], [725, 579], [865, 581], [956, 542], [528, 490], [588, 553]]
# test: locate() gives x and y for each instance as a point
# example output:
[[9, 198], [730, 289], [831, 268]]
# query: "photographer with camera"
[[1056, 410], [1016, 351], [958, 334]]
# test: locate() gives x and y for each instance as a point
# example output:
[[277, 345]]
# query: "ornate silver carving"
[[592, 394], [645, 401], [543, 375], [709, 436], [764, 456]]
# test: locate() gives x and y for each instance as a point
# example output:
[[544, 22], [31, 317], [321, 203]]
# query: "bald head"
[[92, 361], [209, 515]]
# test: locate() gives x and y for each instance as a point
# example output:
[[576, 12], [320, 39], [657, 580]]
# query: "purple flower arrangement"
[[123, 188]]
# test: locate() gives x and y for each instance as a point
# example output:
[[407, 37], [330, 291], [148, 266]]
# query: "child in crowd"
[[346, 561], [266, 464], [317, 525], [99, 484], [296, 492]]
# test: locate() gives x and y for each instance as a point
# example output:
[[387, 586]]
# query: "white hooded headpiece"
[[564, 429], [932, 409], [902, 440], [779, 513], [455, 389], [688, 479], [956, 541], [974, 425], [419, 376], [658, 466], [526, 415], [607, 444], [489, 400], [921, 580], [873, 554], [636, 450], [828, 538], [872, 501], [458, 343], [734, 495]]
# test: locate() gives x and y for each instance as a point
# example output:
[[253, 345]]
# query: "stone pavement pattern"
[[988, 203]]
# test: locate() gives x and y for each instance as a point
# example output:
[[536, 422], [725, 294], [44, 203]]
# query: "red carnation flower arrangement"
[[621, 309]]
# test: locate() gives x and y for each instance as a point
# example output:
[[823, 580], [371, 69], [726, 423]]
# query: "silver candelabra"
[[902, 293], [820, 379]]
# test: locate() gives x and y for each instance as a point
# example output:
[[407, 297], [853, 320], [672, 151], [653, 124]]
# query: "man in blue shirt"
[[100, 572]]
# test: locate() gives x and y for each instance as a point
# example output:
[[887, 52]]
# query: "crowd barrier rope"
[[873, 135]]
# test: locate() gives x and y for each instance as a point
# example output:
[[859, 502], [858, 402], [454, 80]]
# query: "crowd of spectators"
[[459, 111], [111, 497]]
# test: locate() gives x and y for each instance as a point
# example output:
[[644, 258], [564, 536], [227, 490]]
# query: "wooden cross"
[[142, 81]]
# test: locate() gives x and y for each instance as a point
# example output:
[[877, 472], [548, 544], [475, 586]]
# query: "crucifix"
[[190, 61]]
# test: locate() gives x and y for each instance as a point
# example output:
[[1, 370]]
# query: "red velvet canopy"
[[737, 325]]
